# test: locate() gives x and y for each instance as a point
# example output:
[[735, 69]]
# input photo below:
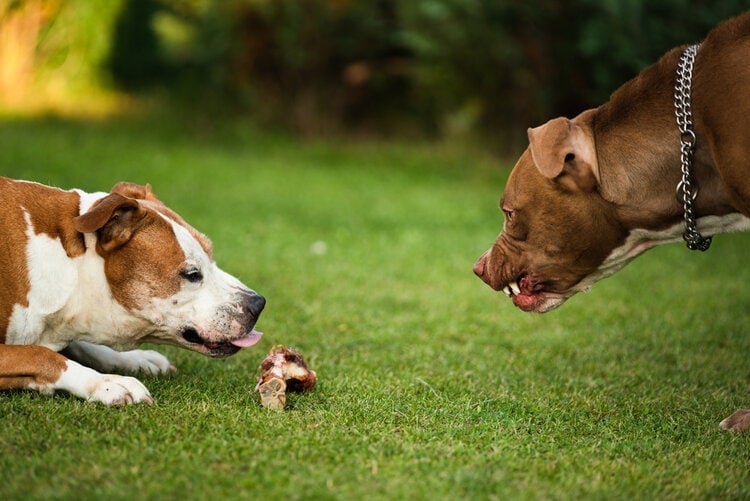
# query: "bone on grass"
[[283, 370]]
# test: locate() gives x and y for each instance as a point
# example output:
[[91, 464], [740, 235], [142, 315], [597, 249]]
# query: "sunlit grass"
[[431, 385]]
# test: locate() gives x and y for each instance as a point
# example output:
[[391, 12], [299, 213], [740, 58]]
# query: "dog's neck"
[[640, 163]]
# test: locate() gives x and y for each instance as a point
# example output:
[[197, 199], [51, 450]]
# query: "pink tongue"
[[248, 339]]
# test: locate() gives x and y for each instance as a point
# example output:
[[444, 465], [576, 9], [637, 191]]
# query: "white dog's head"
[[161, 270]]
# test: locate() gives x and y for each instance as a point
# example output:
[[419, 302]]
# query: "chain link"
[[686, 189]]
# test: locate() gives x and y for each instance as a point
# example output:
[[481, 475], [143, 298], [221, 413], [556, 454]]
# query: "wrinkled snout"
[[480, 268]]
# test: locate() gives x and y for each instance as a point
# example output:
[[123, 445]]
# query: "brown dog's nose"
[[480, 265]]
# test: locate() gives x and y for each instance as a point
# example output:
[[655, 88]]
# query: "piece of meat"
[[283, 370]]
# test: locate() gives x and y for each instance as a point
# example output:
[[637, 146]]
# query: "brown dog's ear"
[[563, 151], [114, 219], [132, 190]]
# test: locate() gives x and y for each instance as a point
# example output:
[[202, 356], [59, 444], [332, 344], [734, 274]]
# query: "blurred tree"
[[500, 66], [21, 23], [134, 59], [51, 51], [322, 62], [618, 39], [492, 64]]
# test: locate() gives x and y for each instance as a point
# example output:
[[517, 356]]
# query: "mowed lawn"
[[431, 386]]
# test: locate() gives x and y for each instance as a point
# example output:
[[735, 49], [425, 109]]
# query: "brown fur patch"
[[52, 211], [202, 239], [148, 199], [22, 366], [147, 266]]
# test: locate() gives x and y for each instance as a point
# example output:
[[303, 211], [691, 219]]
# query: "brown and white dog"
[[592, 193], [90, 274]]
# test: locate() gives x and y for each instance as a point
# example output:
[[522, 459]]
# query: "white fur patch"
[[52, 277], [92, 314], [88, 199]]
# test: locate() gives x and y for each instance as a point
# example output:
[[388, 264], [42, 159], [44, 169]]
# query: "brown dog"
[[592, 193]]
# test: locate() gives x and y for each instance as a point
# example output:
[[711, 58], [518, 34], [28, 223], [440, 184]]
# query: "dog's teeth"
[[507, 291], [514, 287]]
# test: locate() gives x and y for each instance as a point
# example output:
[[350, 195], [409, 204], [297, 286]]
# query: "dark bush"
[[448, 66], [135, 61]]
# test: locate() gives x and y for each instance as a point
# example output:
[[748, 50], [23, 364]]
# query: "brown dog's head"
[[560, 236]]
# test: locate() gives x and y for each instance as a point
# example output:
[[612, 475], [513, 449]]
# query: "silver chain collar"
[[686, 190]]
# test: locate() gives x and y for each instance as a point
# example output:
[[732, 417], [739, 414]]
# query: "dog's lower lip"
[[524, 294], [219, 349]]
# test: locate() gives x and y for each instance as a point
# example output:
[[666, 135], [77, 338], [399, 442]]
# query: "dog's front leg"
[[38, 368], [105, 359]]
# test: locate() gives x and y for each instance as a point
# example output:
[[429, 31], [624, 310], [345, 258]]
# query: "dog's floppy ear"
[[563, 151], [132, 190], [114, 219]]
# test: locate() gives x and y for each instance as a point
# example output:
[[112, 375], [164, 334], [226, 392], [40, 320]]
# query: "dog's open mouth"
[[528, 294], [523, 298], [220, 349]]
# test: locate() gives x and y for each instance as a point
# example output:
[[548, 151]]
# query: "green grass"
[[431, 386]]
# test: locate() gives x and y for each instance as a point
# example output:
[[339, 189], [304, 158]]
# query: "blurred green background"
[[418, 68]]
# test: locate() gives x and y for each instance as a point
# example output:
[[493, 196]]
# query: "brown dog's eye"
[[508, 214]]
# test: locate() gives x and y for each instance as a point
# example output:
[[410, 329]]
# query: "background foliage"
[[383, 66], [52, 51]]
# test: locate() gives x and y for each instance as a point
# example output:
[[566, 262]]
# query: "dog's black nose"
[[254, 304]]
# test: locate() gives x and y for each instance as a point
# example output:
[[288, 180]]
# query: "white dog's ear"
[[562, 150], [114, 219]]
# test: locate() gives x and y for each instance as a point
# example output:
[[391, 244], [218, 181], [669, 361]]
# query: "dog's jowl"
[[88, 276]]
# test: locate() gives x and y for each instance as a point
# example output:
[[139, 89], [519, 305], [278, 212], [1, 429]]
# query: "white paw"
[[109, 389], [119, 390], [146, 361]]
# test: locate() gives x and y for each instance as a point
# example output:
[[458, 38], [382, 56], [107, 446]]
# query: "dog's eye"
[[508, 214], [192, 275]]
